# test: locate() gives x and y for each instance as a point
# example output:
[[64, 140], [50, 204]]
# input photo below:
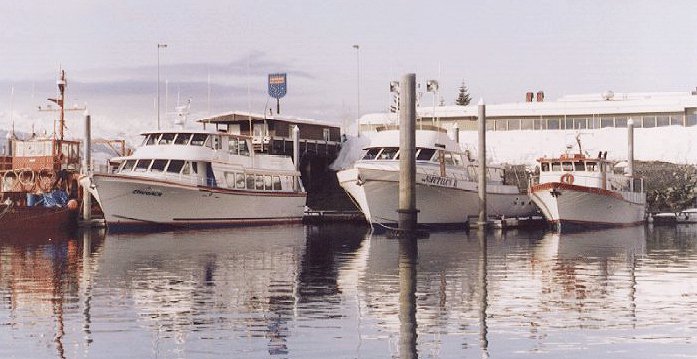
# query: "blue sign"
[[277, 85]]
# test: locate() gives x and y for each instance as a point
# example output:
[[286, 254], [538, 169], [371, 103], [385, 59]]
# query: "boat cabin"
[[580, 170], [442, 158], [46, 154], [164, 155]]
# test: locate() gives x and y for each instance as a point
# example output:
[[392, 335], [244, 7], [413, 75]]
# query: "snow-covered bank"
[[674, 144]]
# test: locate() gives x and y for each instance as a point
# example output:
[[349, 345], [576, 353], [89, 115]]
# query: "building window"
[[649, 121], [676, 120], [607, 122], [579, 123], [326, 134], [514, 124], [526, 124], [662, 121], [501, 125], [691, 120], [553, 124], [621, 122]]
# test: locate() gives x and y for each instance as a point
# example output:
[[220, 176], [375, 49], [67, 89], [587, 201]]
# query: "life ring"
[[567, 178]]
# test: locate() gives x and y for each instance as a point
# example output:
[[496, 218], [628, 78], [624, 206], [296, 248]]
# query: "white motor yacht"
[[446, 182], [198, 178]]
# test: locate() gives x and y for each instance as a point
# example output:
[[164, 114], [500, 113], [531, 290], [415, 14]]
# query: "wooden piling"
[[482, 164], [407, 158]]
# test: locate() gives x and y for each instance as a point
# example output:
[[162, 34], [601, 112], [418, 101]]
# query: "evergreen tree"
[[463, 96]]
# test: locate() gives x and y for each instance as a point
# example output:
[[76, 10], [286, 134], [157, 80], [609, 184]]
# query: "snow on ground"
[[674, 144]]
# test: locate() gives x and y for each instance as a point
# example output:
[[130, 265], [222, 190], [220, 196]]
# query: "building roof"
[[241, 116]]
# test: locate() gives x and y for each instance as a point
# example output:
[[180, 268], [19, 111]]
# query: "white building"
[[666, 125]]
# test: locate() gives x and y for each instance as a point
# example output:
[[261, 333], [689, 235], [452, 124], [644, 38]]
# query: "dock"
[[332, 216]]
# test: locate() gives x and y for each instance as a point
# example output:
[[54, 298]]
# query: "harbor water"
[[342, 291]]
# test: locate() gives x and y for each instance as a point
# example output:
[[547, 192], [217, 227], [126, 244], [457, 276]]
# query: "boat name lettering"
[[148, 192], [439, 181]]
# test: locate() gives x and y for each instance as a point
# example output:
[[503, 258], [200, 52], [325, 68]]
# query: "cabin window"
[[232, 146], [544, 166], [578, 166], [239, 180], [151, 139], [457, 158], [182, 139], [186, 169], [175, 166], [128, 166], [267, 183], [238, 146], [199, 139], [143, 165], [250, 181], [167, 139], [425, 154], [388, 153], [276, 183], [448, 158], [216, 142], [592, 166], [259, 182], [371, 153], [556, 166], [567, 166], [158, 165], [244, 149]]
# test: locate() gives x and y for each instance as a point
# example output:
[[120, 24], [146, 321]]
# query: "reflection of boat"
[[574, 189], [38, 179], [198, 178], [446, 182]]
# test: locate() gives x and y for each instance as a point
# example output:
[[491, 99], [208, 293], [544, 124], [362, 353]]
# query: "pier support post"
[[407, 158], [296, 154], [86, 169], [482, 164]]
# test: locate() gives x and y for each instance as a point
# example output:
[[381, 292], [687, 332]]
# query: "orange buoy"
[[567, 178]]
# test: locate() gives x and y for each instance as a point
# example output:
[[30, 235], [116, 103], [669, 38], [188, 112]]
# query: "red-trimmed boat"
[[38, 180], [575, 191]]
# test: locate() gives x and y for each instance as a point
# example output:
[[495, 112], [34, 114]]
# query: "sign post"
[[278, 88]]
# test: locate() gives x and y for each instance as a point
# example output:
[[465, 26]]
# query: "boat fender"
[[567, 178]]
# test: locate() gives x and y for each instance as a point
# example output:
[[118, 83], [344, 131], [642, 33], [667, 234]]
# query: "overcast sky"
[[501, 49]]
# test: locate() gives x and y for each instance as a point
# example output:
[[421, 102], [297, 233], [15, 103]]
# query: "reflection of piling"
[[86, 169], [483, 294], [630, 153], [407, 149], [408, 254], [482, 164]]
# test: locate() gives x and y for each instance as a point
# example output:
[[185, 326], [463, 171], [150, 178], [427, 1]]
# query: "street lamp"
[[358, 87], [159, 46]]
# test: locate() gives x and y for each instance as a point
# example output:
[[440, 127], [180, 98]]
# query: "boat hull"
[[571, 207], [39, 221], [142, 203], [438, 201]]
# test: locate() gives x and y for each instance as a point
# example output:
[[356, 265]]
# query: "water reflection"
[[408, 254], [296, 291]]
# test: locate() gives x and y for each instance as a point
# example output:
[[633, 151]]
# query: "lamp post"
[[358, 87], [159, 46]]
